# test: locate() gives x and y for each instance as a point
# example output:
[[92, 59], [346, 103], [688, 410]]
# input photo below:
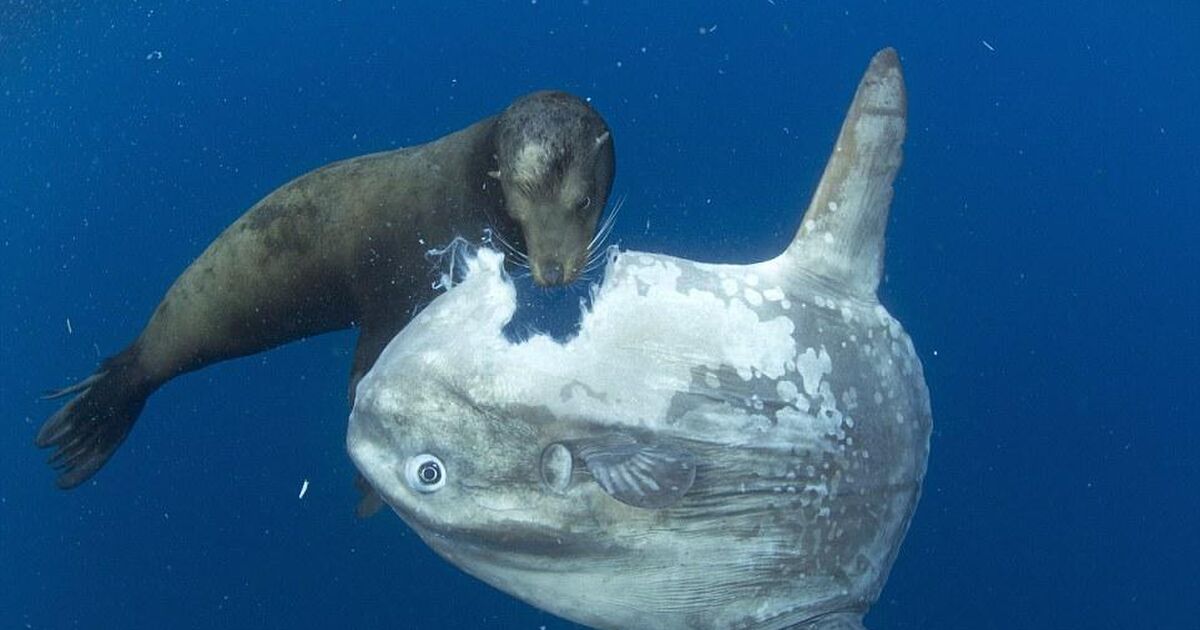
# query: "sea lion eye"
[[583, 204], [425, 473]]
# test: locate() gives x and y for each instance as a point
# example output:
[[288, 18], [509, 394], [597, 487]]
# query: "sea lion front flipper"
[[370, 502], [642, 475], [372, 339]]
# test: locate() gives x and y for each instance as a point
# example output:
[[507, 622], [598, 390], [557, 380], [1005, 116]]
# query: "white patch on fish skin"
[[641, 301], [787, 391], [847, 311], [657, 273], [774, 294], [753, 298], [829, 419], [729, 286], [813, 365]]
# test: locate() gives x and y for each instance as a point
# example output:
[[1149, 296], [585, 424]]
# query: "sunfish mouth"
[[514, 545]]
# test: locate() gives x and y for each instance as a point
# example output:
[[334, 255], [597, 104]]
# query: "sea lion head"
[[555, 163]]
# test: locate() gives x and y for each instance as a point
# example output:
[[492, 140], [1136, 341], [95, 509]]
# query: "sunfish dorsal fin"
[[841, 237]]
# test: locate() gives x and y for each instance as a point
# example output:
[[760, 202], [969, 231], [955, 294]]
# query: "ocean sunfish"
[[720, 446]]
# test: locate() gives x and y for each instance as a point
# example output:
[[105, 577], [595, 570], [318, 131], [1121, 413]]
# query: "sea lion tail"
[[95, 421]]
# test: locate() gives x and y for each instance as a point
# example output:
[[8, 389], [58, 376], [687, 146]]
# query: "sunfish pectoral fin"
[[841, 237], [649, 476]]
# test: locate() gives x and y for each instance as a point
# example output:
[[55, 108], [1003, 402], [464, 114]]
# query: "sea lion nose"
[[552, 273]]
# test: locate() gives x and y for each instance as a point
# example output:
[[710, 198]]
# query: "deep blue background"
[[1041, 254]]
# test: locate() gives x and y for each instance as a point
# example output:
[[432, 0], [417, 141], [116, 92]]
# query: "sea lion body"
[[347, 244], [341, 245]]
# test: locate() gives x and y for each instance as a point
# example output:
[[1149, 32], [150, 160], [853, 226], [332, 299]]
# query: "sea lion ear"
[[642, 475]]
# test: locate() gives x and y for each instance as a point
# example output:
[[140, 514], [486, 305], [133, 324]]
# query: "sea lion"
[[346, 245], [721, 446]]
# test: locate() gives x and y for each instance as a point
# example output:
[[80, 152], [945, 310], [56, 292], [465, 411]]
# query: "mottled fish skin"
[[797, 398]]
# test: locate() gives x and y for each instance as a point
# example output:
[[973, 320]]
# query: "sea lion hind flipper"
[[90, 426], [74, 387], [370, 343]]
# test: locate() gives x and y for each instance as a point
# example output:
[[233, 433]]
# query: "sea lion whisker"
[[494, 235], [597, 258], [508, 247], [596, 250], [607, 226], [513, 253], [593, 264]]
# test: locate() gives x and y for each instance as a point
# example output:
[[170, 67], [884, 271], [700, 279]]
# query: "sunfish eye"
[[425, 473]]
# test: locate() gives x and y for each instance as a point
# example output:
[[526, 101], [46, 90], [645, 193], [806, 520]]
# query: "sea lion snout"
[[553, 271], [550, 274], [559, 267], [558, 241]]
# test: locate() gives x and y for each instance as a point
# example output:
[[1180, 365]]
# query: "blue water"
[[1041, 253]]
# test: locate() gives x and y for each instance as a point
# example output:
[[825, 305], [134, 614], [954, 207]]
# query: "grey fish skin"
[[721, 446]]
